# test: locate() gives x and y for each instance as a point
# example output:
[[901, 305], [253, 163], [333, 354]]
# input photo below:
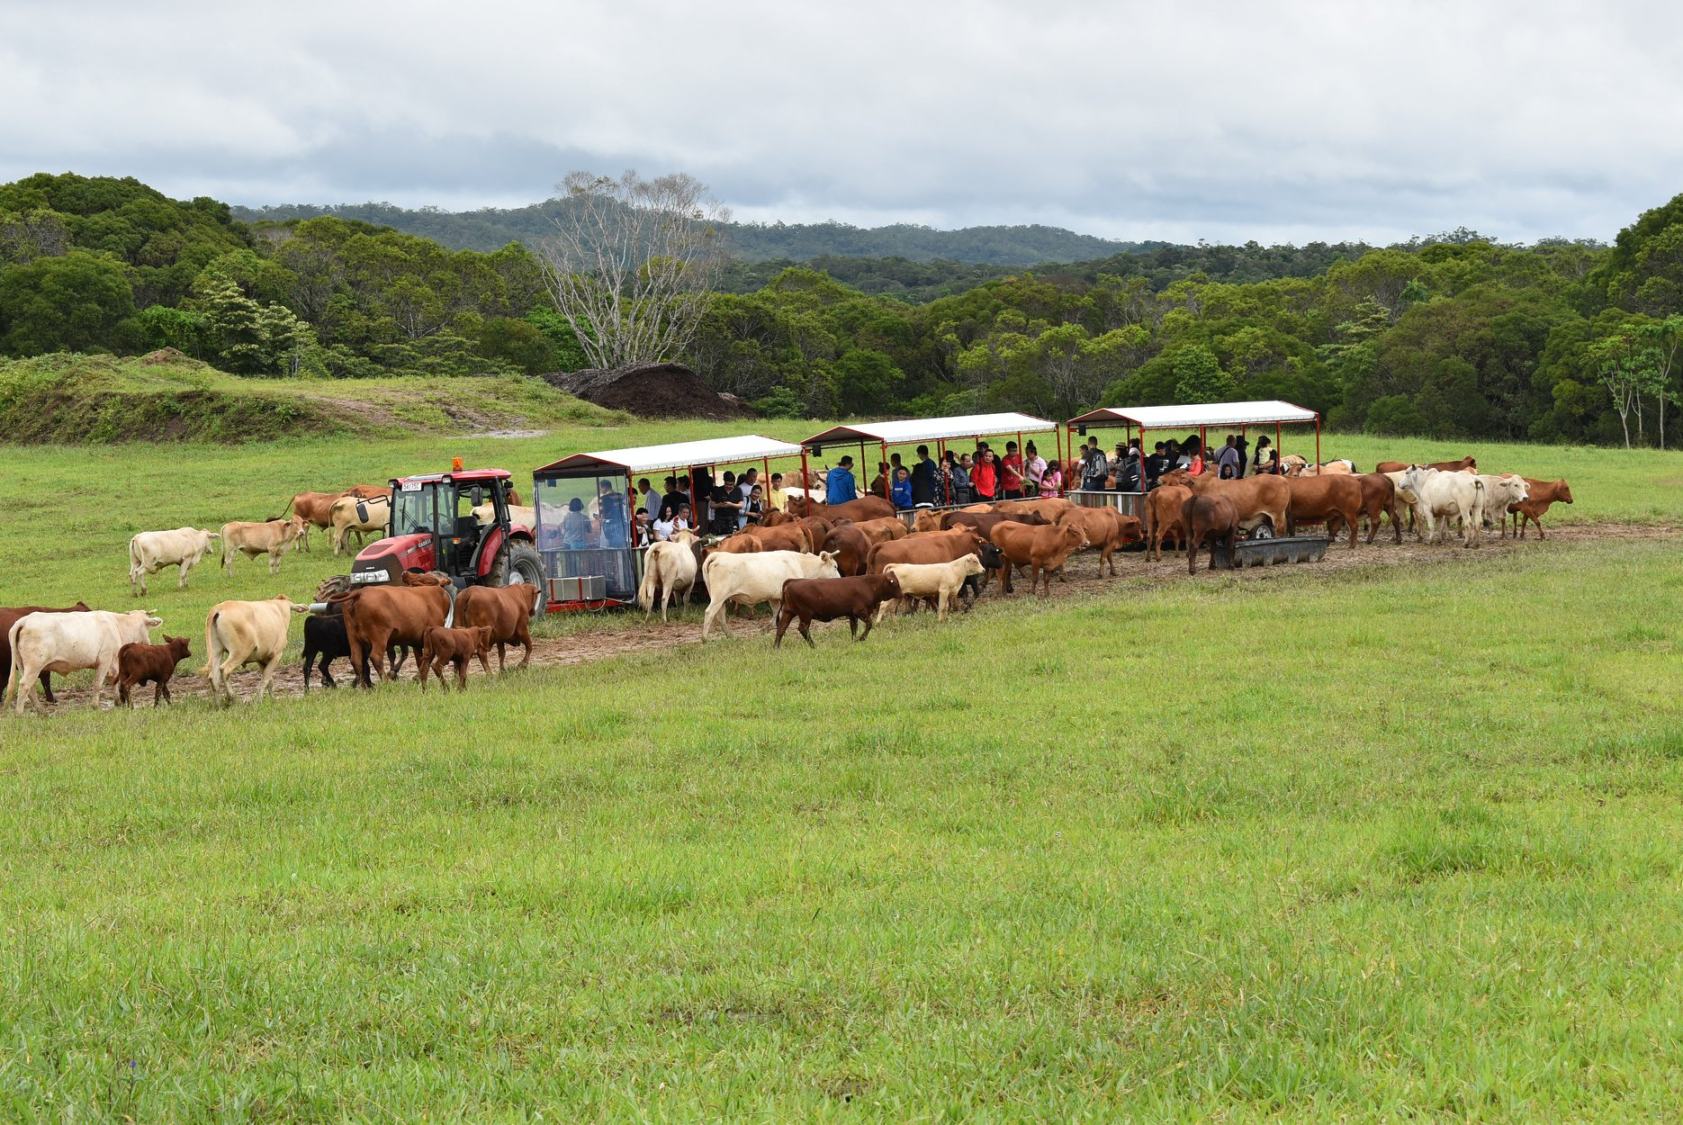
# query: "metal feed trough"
[[1267, 552]]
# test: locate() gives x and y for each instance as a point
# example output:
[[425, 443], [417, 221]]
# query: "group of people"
[[1122, 472], [981, 476], [728, 504]]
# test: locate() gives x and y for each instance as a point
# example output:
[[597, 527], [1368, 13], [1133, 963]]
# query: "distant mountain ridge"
[[491, 228]]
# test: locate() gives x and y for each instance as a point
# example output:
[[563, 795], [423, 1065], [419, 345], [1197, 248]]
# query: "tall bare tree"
[[631, 263]]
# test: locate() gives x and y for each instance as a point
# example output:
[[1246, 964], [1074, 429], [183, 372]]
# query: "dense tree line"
[[1453, 336]]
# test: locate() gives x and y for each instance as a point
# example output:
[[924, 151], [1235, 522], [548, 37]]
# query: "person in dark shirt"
[[674, 495], [723, 505], [1156, 465], [924, 478]]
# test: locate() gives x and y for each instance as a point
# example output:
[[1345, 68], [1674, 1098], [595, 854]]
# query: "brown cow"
[[1048, 507], [1210, 516], [864, 508], [1041, 549], [1530, 510], [1460, 466], [506, 611], [850, 547], [1163, 506], [139, 664], [1106, 529], [384, 492], [378, 617], [932, 547], [1379, 497], [786, 537], [1254, 498], [1334, 498], [985, 522], [740, 543], [927, 519], [9, 616], [827, 599], [316, 509], [881, 530], [441, 646]]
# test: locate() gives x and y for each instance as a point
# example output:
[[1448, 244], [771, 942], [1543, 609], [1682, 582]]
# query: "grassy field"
[[1363, 843]]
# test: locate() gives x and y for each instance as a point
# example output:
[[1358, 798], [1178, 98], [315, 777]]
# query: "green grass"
[[1365, 843], [68, 399]]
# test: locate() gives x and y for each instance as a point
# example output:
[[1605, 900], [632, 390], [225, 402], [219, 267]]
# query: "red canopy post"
[[1318, 446]]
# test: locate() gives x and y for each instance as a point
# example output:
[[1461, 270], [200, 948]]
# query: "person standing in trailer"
[[925, 478], [1011, 473], [839, 485]]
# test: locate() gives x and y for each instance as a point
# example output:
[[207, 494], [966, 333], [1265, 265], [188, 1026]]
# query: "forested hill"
[[492, 228]]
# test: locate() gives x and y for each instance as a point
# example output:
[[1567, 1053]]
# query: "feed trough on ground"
[[1268, 552]]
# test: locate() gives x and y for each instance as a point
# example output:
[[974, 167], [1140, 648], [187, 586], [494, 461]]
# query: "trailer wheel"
[[519, 564]]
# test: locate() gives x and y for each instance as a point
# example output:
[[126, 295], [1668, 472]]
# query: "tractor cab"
[[457, 522]]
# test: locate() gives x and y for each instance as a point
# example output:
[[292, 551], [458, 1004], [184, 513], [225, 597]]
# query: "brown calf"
[[441, 646], [1163, 506], [139, 664], [1209, 517], [506, 611], [827, 599], [1541, 494], [1379, 497]]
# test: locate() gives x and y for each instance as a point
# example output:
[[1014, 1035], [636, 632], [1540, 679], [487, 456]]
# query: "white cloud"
[[1221, 121]]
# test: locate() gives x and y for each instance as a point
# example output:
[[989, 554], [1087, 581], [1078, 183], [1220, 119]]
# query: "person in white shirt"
[[1034, 469]]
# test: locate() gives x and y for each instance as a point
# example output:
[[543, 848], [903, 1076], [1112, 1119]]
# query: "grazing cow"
[[1379, 497], [1041, 549], [140, 664], [1209, 517], [850, 547], [270, 537], [441, 646], [315, 509], [486, 514], [669, 571], [1442, 498], [507, 612], [353, 513], [69, 642], [379, 617], [1163, 506], [827, 599], [1105, 528], [881, 530], [1256, 499], [864, 508], [751, 579], [1501, 493], [1465, 464], [1333, 499], [9, 616], [241, 633], [1540, 494], [937, 582], [151, 551]]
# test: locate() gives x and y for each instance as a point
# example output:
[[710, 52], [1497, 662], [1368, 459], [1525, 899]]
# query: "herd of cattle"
[[813, 562]]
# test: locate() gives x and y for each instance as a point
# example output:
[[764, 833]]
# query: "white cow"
[[69, 642], [1443, 498], [941, 581], [241, 633], [751, 579], [270, 537], [151, 551], [486, 514], [353, 513], [1499, 492], [668, 568]]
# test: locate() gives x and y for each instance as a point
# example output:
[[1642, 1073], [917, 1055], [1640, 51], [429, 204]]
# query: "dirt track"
[[622, 633]]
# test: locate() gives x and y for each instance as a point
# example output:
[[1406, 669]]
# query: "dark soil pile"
[[651, 390]]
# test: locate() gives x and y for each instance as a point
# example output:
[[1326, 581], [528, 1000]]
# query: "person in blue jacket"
[[902, 489], [839, 486]]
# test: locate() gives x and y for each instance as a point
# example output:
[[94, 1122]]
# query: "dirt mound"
[[166, 355], [651, 390]]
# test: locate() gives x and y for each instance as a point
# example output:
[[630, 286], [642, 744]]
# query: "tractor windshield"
[[415, 509]]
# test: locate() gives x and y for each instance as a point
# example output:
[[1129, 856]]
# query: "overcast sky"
[[1275, 121]]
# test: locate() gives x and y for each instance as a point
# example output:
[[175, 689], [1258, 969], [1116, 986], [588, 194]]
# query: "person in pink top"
[[1052, 480]]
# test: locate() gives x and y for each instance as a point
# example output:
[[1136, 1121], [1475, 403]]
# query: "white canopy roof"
[[1200, 414], [677, 455], [932, 429]]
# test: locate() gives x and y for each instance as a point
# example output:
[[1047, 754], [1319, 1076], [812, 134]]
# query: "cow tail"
[[210, 650], [645, 589], [14, 675], [134, 557]]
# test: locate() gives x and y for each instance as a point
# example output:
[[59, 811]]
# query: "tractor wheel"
[[519, 564]]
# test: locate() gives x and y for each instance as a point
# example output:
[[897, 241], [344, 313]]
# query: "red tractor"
[[459, 523]]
